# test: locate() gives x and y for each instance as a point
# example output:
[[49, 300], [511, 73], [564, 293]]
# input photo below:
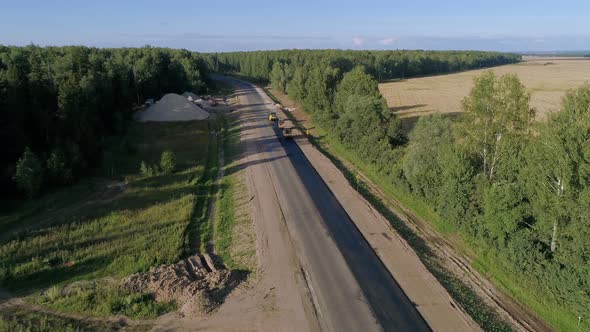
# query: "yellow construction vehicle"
[[272, 116]]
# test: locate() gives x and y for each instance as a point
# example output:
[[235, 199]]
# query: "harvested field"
[[547, 80]]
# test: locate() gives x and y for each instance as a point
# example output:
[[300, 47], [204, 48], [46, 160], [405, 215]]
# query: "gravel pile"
[[188, 283], [173, 107]]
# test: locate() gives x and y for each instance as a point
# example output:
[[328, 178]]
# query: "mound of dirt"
[[190, 283], [173, 107], [190, 96]]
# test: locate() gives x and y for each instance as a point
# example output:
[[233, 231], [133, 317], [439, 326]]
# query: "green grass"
[[199, 230], [559, 317], [89, 232], [234, 238], [16, 319], [103, 298], [225, 218], [11, 218]]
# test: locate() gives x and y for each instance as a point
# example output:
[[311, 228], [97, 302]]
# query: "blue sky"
[[231, 25]]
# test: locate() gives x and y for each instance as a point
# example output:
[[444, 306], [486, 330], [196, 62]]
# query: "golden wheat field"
[[547, 80]]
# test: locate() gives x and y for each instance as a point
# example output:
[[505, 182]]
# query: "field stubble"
[[546, 79]]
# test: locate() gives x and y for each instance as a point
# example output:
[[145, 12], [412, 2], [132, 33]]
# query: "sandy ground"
[[547, 80]]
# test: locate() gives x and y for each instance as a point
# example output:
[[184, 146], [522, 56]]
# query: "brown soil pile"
[[190, 283]]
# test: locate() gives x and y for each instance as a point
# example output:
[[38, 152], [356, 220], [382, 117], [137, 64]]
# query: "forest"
[[517, 190], [383, 65], [58, 105]]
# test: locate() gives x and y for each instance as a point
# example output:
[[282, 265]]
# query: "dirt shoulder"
[[435, 304]]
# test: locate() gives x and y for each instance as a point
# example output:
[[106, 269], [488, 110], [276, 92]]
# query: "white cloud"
[[387, 41], [358, 41]]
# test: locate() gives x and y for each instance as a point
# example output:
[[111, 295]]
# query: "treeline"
[[58, 104], [519, 190], [516, 189], [382, 65]]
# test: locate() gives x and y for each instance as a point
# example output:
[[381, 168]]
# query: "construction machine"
[[287, 128]]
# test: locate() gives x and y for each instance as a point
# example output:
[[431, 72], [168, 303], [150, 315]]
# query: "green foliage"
[[297, 86], [57, 169], [518, 190], [168, 162], [505, 208], [29, 173], [103, 299], [279, 77], [18, 319], [497, 122], [422, 161], [457, 185], [382, 65], [75, 97], [357, 83], [148, 170]]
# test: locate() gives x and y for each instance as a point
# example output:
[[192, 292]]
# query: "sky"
[[245, 25]]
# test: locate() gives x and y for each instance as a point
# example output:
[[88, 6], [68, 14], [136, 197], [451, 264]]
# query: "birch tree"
[[498, 116], [559, 164]]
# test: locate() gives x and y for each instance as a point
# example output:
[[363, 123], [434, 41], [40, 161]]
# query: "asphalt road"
[[351, 289]]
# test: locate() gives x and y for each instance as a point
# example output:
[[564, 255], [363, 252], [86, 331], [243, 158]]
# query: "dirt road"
[[350, 287]]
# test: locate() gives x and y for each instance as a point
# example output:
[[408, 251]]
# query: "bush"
[[53, 293], [57, 170], [168, 162], [29, 173], [148, 170]]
